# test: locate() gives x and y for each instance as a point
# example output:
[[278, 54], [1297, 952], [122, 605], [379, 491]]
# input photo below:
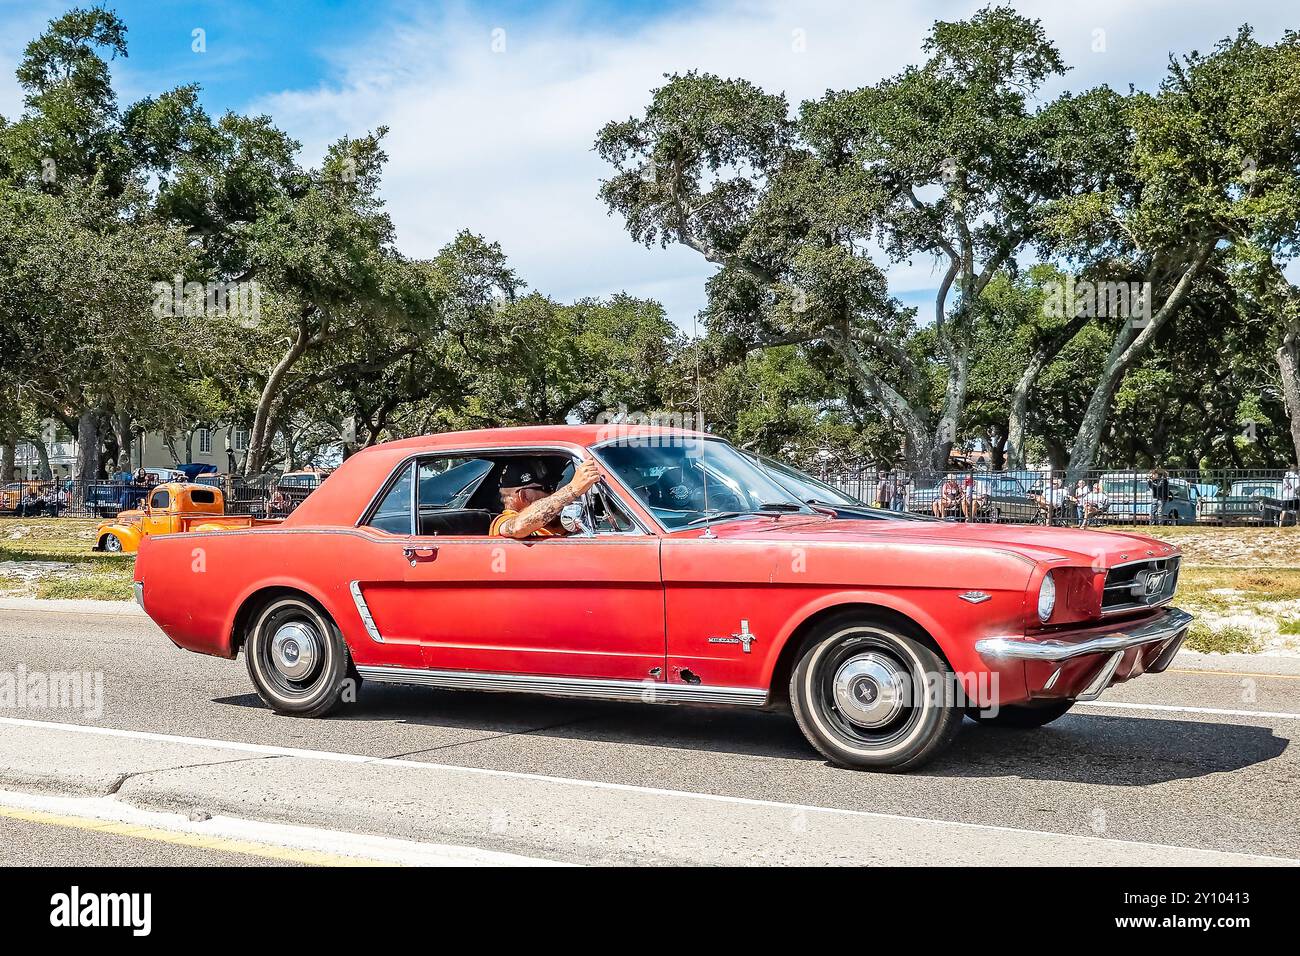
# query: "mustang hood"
[[1033, 541]]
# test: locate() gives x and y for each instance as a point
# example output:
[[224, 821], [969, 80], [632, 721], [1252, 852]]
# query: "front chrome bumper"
[[1169, 624]]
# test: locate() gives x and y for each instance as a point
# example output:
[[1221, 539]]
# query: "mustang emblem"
[[744, 638], [1155, 581]]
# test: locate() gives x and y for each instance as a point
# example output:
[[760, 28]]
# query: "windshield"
[[685, 483], [804, 486], [1266, 488]]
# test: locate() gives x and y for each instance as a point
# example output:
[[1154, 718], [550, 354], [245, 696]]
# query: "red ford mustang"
[[688, 576]]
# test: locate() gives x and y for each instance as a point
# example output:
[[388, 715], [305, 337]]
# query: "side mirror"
[[574, 519]]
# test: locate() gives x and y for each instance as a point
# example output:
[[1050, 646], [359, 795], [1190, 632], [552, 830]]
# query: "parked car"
[[109, 498], [1243, 504], [998, 497], [825, 496], [1130, 500], [14, 494], [173, 508], [879, 635], [294, 486]]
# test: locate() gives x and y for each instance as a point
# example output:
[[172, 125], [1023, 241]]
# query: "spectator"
[[1095, 503], [1054, 501], [949, 497], [899, 500], [1290, 495], [975, 498], [1158, 482], [884, 489]]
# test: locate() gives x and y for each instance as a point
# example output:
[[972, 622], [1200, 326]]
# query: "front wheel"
[[1022, 716], [297, 659], [112, 544], [870, 697]]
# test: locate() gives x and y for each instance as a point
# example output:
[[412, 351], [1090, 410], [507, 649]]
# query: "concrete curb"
[[71, 606]]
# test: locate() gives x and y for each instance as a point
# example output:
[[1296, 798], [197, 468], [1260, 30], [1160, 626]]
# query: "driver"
[[531, 509]]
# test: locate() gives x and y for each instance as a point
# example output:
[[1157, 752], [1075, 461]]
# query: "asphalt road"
[[1142, 777]]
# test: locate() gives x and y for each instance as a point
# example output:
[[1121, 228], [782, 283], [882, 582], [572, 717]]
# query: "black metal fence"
[[259, 496], [1264, 497]]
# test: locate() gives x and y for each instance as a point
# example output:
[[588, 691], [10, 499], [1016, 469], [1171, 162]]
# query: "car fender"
[[956, 639], [233, 640], [129, 536]]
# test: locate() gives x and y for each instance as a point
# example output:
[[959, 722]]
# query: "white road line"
[[233, 834], [1171, 708], [332, 756]]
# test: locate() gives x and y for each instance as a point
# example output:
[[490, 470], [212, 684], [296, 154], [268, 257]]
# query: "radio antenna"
[[699, 419]]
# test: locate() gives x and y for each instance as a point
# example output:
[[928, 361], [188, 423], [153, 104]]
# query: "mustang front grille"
[[1139, 584]]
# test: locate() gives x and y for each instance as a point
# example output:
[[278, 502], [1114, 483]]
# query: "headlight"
[[1046, 597]]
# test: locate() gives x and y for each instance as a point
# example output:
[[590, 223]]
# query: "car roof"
[[530, 434]]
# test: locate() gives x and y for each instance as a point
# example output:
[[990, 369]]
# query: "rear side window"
[[394, 512], [203, 497]]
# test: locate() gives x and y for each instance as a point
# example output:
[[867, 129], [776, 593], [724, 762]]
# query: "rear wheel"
[[1022, 716], [870, 697], [296, 657]]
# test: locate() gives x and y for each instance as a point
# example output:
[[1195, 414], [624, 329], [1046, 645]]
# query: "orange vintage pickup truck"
[[171, 509]]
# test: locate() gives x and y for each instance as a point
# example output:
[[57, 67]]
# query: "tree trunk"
[[917, 440], [1128, 346], [1288, 363], [954, 399], [997, 450], [7, 461], [1019, 412], [87, 446], [44, 471], [259, 442], [125, 439]]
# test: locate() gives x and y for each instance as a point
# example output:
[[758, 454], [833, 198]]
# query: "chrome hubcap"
[[870, 689], [295, 649]]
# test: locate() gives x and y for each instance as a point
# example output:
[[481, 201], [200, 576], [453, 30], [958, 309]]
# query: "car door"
[[157, 517], [581, 606]]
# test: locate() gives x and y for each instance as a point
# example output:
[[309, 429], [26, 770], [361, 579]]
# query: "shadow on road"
[[1079, 748]]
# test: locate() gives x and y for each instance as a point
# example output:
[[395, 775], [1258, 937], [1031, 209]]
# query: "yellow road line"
[[181, 838], [1185, 670]]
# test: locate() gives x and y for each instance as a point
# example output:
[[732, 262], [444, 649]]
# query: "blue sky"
[[499, 139]]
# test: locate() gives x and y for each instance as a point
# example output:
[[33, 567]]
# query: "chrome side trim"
[[647, 691], [1169, 624], [364, 610]]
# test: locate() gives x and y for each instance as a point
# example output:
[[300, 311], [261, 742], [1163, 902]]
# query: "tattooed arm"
[[541, 513]]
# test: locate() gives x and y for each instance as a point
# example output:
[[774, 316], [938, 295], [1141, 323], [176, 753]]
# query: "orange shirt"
[[499, 520]]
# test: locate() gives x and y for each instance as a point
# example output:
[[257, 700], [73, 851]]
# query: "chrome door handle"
[[415, 555]]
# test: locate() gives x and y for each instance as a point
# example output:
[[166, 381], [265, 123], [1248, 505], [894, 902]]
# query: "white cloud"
[[501, 142]]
